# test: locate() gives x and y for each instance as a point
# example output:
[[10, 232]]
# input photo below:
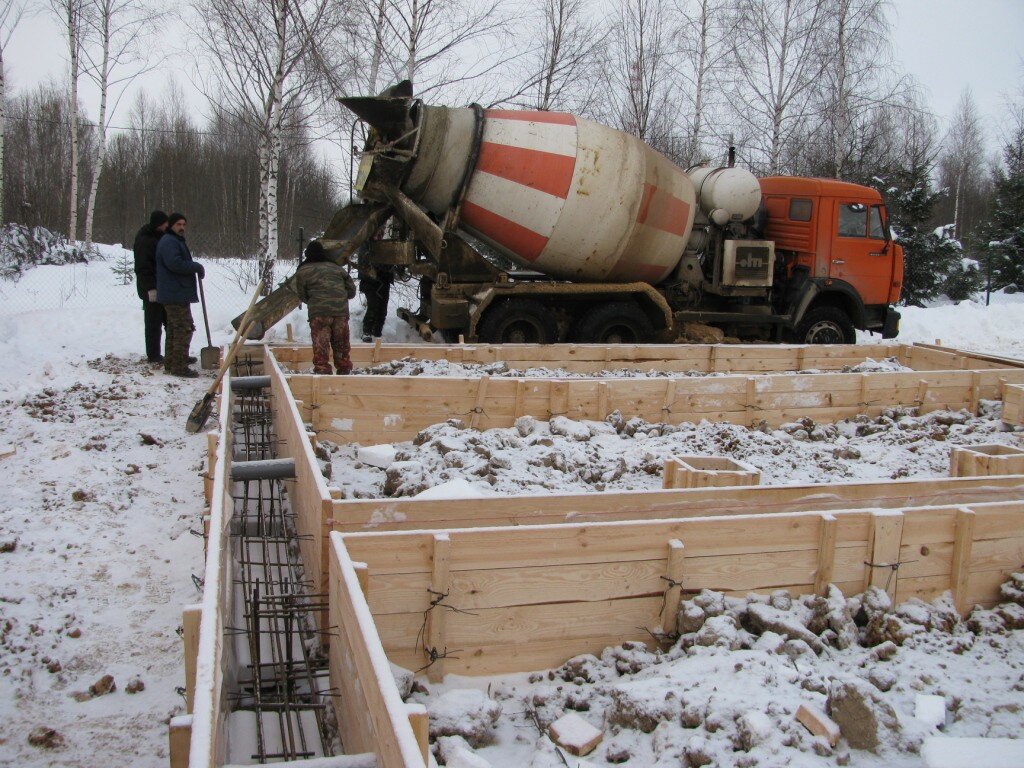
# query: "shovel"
[[201, 412], [209, 356]]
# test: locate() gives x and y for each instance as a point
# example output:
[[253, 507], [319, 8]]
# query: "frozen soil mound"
[[726, 690], [22, 248], [411, 366], [562, 455]]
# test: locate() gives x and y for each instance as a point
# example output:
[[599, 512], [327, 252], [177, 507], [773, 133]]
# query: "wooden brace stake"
[[436, 618], [963, 540], [826, 554], [674, 575], [481, 394]]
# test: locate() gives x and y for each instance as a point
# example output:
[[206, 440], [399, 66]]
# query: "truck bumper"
[[890, 323]]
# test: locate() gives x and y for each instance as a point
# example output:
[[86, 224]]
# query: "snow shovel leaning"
[[209, 356], [201, 412]]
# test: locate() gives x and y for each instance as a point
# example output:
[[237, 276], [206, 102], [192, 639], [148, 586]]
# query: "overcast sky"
[[946, 44]]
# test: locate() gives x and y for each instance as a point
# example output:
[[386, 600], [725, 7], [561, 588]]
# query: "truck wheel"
[[518, 321], [825, 325], [617, 322]]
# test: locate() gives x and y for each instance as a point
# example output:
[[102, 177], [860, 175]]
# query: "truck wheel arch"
[[837, 293]]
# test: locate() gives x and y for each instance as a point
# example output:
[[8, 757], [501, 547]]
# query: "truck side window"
[[800, 209], [853, 220], [877, 231]]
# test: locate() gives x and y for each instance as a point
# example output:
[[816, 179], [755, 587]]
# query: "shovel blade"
[[200, 415], [209, 358]]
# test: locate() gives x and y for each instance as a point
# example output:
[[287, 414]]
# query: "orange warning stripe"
[[663, 211], [517, 238], [533, 116], [544, 171]]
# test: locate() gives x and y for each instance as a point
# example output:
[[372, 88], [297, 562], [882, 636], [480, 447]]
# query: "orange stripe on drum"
[[521, 241], [663, 211], [543, 171], [533, 116]]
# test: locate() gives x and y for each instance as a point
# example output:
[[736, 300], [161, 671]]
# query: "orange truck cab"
[[835, 258]]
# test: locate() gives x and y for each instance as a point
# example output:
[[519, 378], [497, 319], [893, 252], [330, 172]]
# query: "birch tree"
[[10, 15], [115, 34], [778, 57], [438, 44], [270, 58], [561, 68], [961, 165], [704, 49], [70, 14], [639, 73]]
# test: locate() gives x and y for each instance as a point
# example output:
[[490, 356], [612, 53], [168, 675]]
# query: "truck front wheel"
[[617, 322], [825, 325], [518, 321]]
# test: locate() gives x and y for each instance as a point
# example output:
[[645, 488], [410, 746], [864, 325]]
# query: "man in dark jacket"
[[176, 290], [145, 282], [326, 288]]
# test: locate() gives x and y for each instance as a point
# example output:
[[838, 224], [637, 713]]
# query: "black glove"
[[201, 271]]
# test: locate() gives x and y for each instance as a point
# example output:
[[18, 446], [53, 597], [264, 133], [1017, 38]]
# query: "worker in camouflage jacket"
[[326, 289]]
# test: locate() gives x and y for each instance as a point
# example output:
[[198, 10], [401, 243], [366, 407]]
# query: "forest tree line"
[[805, 87]]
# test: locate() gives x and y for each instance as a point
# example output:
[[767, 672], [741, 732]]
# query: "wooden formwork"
[[198, 739], [1013, 405], [539, 579], [527, 597]]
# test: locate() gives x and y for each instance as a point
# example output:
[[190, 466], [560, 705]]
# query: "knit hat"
[[315, 251], [156, 218], [174, 218]]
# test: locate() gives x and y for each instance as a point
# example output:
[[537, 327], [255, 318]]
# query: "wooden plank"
[[674, 579], [478, 405], [436, 644], [179, 739], [826, 554], [375, 718], [886, 535], [190, 617], [421, 729], [962, 557]]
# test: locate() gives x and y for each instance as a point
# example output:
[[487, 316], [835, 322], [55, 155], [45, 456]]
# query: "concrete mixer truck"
[[540, 227]]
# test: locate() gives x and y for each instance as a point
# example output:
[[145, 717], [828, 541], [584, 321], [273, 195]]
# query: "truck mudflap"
[[890, 323], [350, 227]]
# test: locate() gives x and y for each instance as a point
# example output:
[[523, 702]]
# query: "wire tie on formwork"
[[180, 690], [664, 595], [200, 583], [437, 601], [892, 566], [196, 533]]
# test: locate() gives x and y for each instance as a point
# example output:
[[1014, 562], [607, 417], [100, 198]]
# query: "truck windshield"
[[877, 229]]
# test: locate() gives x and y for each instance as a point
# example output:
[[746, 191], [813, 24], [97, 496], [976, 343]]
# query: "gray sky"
[[946, 44]]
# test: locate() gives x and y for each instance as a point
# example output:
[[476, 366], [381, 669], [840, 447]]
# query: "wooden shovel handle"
[[243, 328]]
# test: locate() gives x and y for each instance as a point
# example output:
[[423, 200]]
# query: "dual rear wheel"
[[527, 321]]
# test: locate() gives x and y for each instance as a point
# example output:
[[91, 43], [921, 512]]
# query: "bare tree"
[[270, 59], [70, 14], [10, 15], [561, 69], [962, 163], [778, 55], [114, 53], [639, 73], [428, 42], [705, 46]]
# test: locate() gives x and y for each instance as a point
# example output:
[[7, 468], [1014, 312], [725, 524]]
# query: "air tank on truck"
[[528, 226]]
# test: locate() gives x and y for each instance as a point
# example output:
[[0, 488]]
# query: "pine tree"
[[1004, 233], [932, 263], [124, 268]]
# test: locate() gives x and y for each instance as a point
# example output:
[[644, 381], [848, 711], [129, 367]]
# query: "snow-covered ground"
[[100, 496]]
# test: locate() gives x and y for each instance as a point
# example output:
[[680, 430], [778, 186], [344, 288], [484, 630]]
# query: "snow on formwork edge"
[[397, 709], [210, 645]]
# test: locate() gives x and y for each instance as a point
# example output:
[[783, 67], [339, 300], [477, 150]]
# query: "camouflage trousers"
[[330, 334], [179, 336]]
